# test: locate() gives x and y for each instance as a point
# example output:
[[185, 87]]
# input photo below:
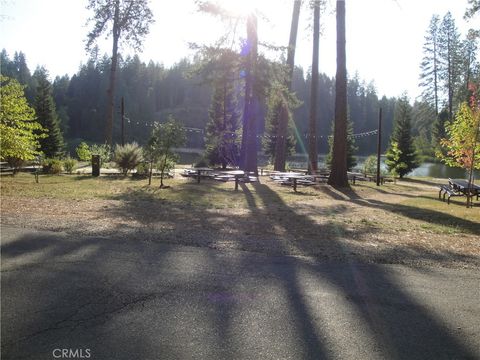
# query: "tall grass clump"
[[127, 157]]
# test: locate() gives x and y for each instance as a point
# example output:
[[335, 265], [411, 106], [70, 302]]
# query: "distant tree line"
[[448, 66], [153, 92]]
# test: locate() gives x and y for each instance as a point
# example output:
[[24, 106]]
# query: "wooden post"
[[379, 145], [123, 121]]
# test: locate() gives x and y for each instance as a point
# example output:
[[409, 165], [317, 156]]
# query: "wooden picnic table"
[[458, 187], [292, 177], [199, 171], [462, 186]]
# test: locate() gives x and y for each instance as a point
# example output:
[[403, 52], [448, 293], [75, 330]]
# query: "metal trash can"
[[95, 165]]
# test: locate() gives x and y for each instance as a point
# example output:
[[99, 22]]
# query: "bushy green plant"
[[401, 155], [69, 164], [394, 162], [83, 152], [159, 147], [104, 150], [370, 165], [168, 164], [52, 166], [15, 163], [127, 157], [143, 168]]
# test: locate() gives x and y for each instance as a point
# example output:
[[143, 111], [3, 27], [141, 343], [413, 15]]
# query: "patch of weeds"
[[367, 222]]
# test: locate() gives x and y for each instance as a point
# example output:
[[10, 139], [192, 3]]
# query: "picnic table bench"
[[458, 187], [293, 179], [198, 173]]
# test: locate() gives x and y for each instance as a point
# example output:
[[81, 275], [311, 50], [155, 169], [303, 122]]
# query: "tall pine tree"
[[222, 130], [127, 20], [338, 175], [401, 156], [52, 144], [429, 68], [450, 59], [279, 102]]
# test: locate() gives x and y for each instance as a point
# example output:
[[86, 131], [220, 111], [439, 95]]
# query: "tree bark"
[[113, 69], [312, 126], [435, 70], [281, 140], [338, 175], [250, 123]]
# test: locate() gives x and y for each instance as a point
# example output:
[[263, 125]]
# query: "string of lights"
[[305, 135]]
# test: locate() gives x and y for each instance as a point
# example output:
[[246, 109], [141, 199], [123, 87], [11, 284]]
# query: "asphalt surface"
[[103, 298]]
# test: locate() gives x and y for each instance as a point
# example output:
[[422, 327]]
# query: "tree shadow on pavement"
[[392, 316]]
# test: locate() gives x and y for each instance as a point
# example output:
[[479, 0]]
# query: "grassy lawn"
[[392, 221], [211, 194]]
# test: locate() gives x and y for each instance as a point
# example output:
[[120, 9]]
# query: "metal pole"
[[123, 121], [379, 145]]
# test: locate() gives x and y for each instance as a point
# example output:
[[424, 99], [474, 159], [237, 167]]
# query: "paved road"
[[120, 299]]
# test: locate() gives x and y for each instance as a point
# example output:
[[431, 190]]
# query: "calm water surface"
[[300, 162]]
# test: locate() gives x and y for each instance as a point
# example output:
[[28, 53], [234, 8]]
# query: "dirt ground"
[[366, 224]]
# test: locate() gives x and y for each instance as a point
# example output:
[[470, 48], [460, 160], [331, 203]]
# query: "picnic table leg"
[[295, 184], [236, 183], [198, 177]]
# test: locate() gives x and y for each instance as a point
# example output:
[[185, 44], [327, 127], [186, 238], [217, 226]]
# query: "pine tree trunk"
[[281, 139], [113, 68], [249, 115], [162, 172], [312, 125], [450, 78], [150, 173], [338, 175], [435, 70]]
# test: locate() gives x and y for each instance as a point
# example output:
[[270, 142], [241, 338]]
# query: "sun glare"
[[240, 7]]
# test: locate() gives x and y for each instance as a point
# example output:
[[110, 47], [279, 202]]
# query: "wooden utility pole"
[[123, 121], [379, 145]]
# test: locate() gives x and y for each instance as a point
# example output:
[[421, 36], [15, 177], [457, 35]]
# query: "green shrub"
[[143, 168], [167, 165], [127, 157], [15, 163], [83, 152], [69, 164], [370, 165], [52, 166]]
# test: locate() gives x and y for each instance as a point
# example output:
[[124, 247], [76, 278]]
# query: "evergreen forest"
[[152, 92]]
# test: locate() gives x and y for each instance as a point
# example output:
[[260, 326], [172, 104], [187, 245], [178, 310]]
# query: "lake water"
[[425, 169], [299, 161]]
